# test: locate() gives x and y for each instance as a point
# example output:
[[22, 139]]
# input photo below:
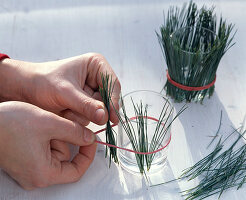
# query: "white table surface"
[[123, 31]]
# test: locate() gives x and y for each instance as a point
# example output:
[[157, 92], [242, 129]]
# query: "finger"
[[94, 110], [60, 150], [97, 65], [76, 117], [68, 131], [97, 96], [113, 107], [94, 94], [74, 170], [88, 90]]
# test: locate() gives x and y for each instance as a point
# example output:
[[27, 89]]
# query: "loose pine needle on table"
[[220, 170]]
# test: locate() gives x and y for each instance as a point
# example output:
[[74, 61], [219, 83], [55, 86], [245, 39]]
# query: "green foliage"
[[220, 170], [106, 92], [192, 47]]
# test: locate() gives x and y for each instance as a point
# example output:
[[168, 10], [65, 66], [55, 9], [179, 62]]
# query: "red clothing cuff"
[[2, 56]]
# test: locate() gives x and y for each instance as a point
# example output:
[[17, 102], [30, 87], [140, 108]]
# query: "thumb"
[[71, 132], [94, 110]]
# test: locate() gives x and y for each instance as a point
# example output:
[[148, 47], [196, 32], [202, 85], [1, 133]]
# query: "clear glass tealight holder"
[[191, 52], [157, 106]]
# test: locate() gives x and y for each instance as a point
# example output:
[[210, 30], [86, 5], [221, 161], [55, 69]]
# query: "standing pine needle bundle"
[[145, 141], [193, 46], [137, 128], [106, 92]]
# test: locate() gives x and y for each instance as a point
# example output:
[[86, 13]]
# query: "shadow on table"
[[200, 123]]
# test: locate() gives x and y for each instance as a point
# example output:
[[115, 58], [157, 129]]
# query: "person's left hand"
[[33, 146], [67, 87]]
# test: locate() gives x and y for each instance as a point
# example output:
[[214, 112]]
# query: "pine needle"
[[106, 92], [216, 134]]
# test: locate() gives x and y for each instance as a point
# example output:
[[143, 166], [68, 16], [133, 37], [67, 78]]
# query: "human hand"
[[66, 87], [33, 147]]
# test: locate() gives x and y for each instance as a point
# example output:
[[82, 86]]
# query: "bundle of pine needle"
[[106, 92], [220, 170], [139, 138], [193, 46]]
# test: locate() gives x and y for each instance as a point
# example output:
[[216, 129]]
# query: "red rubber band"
[[188, 88], [130, 150], [2, 56]]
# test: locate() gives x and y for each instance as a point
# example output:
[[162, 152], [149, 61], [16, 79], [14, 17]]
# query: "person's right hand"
[[68, 87], [33, 147]]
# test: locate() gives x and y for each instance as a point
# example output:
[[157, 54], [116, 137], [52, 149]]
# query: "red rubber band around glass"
[[130, 150], [188, 88]]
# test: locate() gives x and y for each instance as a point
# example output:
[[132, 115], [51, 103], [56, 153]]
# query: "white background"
[[124, 32]]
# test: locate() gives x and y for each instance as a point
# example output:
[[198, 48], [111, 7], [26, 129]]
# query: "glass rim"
[[150, 91], [192, 27]]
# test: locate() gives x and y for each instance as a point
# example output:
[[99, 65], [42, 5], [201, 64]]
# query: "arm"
[[15, 79]]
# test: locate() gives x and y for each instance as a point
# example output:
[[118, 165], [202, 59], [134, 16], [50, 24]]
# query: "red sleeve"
[[2, 56]]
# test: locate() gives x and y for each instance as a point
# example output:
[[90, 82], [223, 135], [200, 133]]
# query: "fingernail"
[[89, 136], [99, 115]]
